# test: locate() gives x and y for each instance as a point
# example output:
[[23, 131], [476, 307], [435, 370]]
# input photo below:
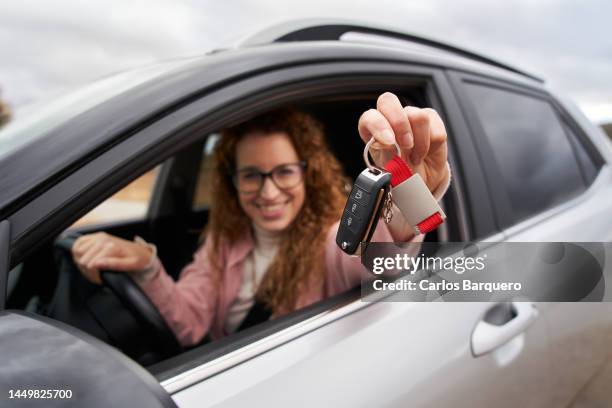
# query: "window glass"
[[201, 198], [533, 153], [131, 202]]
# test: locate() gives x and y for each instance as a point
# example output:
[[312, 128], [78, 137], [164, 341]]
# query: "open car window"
[[168, 206]]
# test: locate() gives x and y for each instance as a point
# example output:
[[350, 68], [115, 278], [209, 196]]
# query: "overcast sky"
[[50, 45]]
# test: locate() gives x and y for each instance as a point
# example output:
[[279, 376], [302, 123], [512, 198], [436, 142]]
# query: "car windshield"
[[32, 121]]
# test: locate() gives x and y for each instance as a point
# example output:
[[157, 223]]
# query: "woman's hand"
[[420, 134], [101, 251]]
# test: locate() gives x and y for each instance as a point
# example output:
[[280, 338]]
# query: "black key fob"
[[363, 209]]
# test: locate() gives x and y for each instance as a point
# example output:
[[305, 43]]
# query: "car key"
[[370, 197]]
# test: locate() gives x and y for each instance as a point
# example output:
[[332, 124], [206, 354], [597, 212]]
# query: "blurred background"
[[48, 47]]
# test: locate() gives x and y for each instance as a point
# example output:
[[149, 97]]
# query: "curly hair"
[[299, 262]]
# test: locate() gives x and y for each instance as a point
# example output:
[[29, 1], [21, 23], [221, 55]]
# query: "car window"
[[131, 202], [531, 149]]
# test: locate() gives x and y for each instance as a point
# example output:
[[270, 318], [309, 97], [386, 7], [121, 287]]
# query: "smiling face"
[[270, 208]]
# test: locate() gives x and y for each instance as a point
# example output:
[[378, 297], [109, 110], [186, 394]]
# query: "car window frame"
[[504, 214], [477, 197], [151, 145]]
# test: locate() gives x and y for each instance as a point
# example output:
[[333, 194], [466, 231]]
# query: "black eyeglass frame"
[[269, 174]]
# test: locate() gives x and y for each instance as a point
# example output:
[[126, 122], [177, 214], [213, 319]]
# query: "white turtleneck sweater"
[[255, 266]]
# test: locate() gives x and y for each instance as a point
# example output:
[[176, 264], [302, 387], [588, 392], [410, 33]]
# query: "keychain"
[[374, 193]]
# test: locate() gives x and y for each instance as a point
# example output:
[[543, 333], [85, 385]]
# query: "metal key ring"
[[367, 150]]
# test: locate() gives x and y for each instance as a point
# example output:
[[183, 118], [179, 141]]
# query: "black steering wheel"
[[135, 300]]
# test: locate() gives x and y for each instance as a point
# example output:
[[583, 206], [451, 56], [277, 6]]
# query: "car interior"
[[48, 283]]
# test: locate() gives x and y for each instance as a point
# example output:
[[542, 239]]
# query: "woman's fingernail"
[[387, 136]]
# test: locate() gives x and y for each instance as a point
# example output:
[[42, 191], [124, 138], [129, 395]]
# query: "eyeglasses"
[[284, 176]]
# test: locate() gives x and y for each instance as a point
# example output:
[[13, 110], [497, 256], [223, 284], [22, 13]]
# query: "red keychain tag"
[[411, 195]]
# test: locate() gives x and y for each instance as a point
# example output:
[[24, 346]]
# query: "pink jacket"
[[192, 307]]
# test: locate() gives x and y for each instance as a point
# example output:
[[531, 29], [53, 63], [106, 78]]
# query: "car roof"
[[364, 32], [82, 136]]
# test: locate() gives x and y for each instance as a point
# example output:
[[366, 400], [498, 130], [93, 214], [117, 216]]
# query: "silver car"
[[527, 166]]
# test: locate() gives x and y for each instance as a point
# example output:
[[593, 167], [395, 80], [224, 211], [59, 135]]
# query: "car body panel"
[[386, 355], [581, 333]]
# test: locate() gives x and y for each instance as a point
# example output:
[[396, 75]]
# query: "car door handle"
[[502, 323]]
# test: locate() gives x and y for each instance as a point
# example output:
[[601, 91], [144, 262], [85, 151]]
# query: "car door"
[[570, 202], [386, 354]]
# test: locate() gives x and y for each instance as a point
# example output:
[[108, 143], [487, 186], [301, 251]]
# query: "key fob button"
[[357, 209], [359, 195], [351, 222]]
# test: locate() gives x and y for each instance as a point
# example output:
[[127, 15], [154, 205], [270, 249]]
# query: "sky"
[[49, 46]]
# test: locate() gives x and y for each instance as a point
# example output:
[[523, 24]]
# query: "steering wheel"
[[135, 300]]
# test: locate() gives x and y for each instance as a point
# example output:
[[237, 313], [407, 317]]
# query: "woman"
[[278, 194]]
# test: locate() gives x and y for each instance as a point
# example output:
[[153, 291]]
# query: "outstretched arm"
[[421, 136]]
